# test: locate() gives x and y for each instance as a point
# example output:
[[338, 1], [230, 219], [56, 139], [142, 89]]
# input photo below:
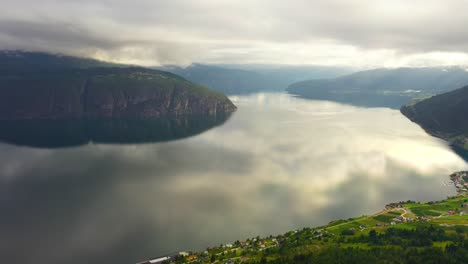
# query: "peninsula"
[[37, 86]]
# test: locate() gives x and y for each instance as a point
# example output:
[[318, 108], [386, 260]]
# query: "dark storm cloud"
[[181, 31]]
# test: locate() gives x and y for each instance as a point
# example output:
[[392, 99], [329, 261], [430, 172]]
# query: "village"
[[230, 252], [460, 180]]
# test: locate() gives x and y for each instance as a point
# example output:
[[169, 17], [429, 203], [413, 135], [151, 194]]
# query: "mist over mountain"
[[383, 87], [243, 79]]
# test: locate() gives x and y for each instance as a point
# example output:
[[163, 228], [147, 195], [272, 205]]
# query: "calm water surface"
[[279, 163]]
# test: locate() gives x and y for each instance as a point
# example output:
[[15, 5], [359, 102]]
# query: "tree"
[[373, 236]]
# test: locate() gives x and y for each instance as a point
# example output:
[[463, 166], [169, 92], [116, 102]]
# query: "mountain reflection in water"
[[70, 133]]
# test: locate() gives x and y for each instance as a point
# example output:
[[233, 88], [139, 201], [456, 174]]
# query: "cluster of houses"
[[400, 204], [171, 258], [255, 244], [157, 260], [403, 219], [460, 180]]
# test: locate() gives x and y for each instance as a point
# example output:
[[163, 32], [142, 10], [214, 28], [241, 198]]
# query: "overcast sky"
[[363, 33]]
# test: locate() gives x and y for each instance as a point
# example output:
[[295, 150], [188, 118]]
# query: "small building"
[[155, 261]]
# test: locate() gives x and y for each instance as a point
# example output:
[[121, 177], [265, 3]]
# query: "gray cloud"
[[42, 34], [297, 31]]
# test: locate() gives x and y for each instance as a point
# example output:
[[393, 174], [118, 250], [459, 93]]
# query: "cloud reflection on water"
[[279, 163]]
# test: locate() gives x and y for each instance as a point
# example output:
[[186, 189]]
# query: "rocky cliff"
[[109, 92]]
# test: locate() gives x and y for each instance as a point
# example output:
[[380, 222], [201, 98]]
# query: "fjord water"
[[279, 163]]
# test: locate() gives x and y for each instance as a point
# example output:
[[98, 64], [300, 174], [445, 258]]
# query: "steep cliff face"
[[444, 116], [104, 93]]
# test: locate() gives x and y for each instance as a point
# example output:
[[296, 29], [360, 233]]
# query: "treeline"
[[393, 246], [457, 253], [420, 237]]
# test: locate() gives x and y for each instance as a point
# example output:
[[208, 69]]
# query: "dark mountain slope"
[[444, 115], [74, 91]]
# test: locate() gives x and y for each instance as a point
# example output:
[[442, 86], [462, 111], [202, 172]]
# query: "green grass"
[[435, 209], [420, 211], [441, 244], [452, 220], [411, 205], [386, 218], [396, 212]]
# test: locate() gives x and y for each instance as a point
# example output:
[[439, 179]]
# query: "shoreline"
[[449, 212]]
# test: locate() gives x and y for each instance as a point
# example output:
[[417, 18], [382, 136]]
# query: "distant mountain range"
[[244, 79], [44, 86], [383, 87], [444, 116]]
